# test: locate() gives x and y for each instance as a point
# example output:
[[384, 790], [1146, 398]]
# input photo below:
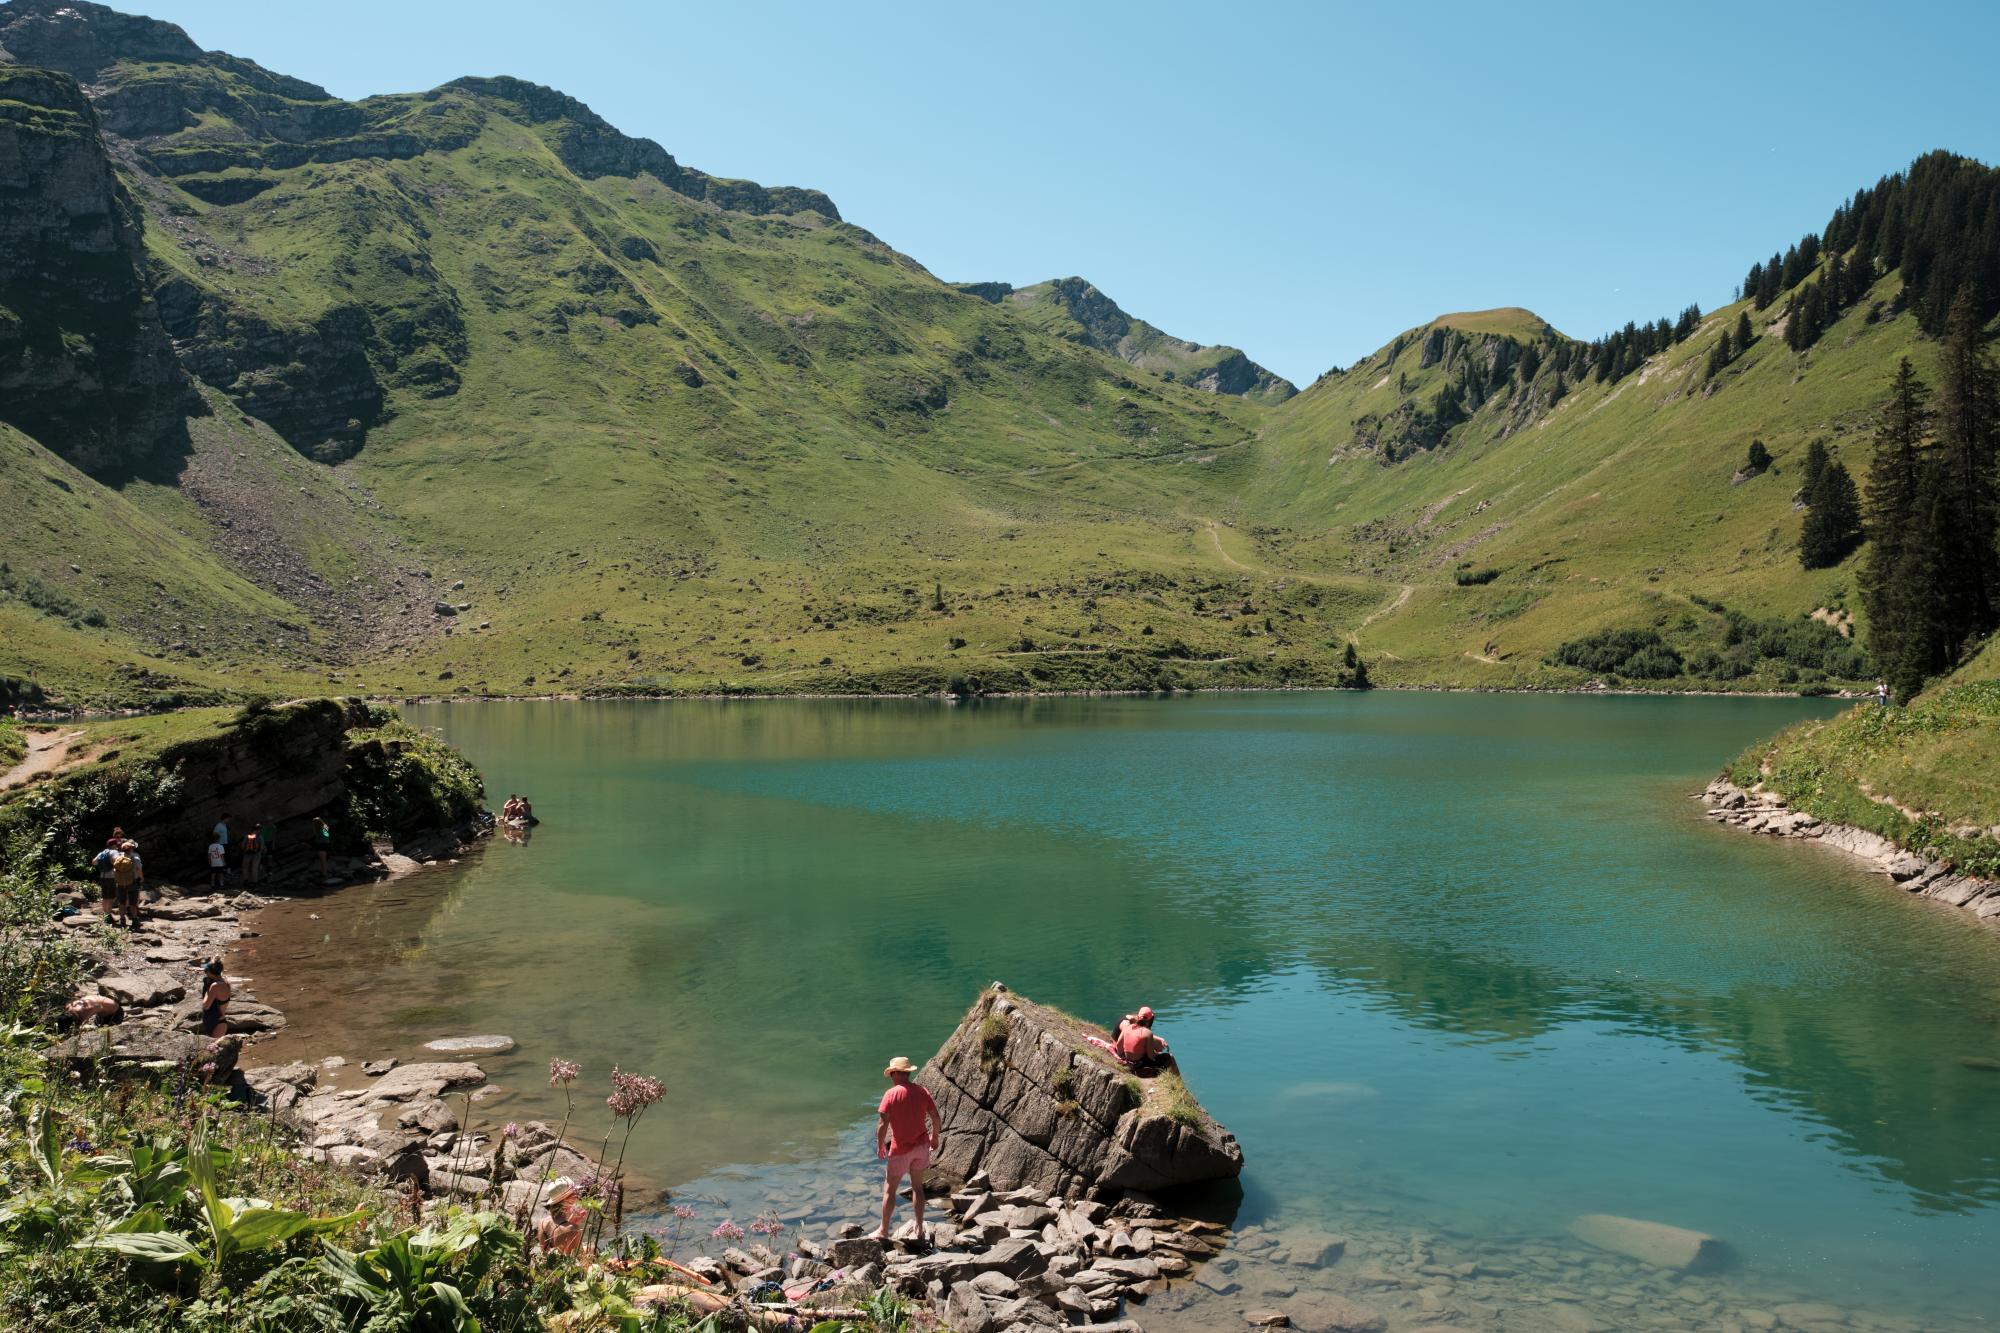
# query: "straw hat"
[[900, 1065]]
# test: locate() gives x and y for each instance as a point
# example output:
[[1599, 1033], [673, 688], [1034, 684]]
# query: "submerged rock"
[[1653, 1243]]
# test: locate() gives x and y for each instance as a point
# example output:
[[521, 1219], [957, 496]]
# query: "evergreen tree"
[[1718, 355], [1758, 458], [1898, 583], [1744, 335], [1816, 461], [1968, 454], [1833, 515]]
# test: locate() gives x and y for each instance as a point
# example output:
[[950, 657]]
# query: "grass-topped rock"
[[1028, 1100]]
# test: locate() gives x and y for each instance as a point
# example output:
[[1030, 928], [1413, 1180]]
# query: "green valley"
[[466, 392]]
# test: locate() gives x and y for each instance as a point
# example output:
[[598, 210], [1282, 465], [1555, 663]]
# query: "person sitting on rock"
[[907, 1131], [90, 1011], [1135, 1044]]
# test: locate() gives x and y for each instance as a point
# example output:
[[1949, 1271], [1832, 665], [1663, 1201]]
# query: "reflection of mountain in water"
[[764, 901]]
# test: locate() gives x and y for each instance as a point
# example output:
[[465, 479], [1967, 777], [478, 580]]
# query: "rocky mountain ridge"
[[1075, 309]]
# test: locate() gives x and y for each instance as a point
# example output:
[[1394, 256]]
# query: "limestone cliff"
[[85, 364], [1027, 1100]]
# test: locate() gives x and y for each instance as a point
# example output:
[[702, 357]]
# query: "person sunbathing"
[[1135, 1044]]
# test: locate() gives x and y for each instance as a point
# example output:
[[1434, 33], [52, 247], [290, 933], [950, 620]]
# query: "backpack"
[[250, 841], [123, 870]]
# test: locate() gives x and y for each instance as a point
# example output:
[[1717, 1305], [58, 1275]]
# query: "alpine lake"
[[1455, 969]]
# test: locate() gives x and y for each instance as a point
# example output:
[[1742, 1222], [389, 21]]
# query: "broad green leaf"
[[160, 1247], [260, 1228]]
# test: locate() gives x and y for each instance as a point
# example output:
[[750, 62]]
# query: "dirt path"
[[1389, 610], [1215, 536], [46, 752]]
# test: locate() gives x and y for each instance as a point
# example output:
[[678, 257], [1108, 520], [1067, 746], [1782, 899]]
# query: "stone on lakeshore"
[[491, 1044], [1267, 1318], [377, 1068], [430, 1115], [424, 1079], [854, 1251], [1905, 865], [139, 990], [128, 1049], [1653, 1243]]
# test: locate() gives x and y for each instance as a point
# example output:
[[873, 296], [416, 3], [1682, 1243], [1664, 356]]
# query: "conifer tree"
[[1898, 583], [1833, 515], [1718, 355], [1968, 454], [1744, 335], [1815, 464]]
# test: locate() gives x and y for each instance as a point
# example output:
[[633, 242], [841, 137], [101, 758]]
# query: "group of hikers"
[[908, 1128], [253, 853]]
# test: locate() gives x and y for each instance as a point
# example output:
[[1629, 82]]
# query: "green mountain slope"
[[1074, 309], [467, 391]]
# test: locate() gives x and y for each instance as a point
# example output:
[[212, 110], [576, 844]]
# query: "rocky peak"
[[591, 146], [1076, 309], [85, 40], [82, 39]]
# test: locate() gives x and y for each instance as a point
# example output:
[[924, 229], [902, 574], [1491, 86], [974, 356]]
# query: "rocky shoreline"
[[1756, 810]]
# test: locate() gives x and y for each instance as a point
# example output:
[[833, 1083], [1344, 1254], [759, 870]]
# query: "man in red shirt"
[[907, 1130]]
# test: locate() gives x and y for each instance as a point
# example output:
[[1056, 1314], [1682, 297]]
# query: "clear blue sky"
[[1303, 180]]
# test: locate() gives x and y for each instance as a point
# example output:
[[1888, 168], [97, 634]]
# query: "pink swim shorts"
[[916, 1159]]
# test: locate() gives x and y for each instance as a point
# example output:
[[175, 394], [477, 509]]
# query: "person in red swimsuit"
[[907, 1130]]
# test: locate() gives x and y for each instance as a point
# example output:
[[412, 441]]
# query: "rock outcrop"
[[1029, 1102], [86, 366]]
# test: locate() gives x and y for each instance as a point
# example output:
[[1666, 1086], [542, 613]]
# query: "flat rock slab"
[[1653, 1243], [424, 1080], [492, 1044], [141, 989]]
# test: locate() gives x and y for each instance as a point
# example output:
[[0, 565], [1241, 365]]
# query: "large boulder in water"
[[1028, 1100]]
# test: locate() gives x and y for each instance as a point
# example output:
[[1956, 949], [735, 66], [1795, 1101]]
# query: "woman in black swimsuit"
[[214, 999]]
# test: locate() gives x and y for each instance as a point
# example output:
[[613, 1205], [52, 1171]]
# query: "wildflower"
[[510, 1131], [632, 1093], [727, 1230], [767, 1225], [683, 1211], [563, 1071]]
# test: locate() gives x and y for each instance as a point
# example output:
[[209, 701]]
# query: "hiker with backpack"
[[128, 876], [253, 853]]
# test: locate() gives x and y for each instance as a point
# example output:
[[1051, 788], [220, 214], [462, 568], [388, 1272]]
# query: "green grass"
[[1176, 1102], [1508, 321], [1927, 777], [13, 745]]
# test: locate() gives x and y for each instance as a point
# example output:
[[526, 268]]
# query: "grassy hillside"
[[491, 398], [1614, 505], [1926, 777]]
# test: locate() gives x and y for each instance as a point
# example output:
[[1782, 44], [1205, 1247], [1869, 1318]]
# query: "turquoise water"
[[1474, 959]]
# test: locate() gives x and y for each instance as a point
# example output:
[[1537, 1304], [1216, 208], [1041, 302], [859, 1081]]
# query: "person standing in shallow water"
[[907, 1130]]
